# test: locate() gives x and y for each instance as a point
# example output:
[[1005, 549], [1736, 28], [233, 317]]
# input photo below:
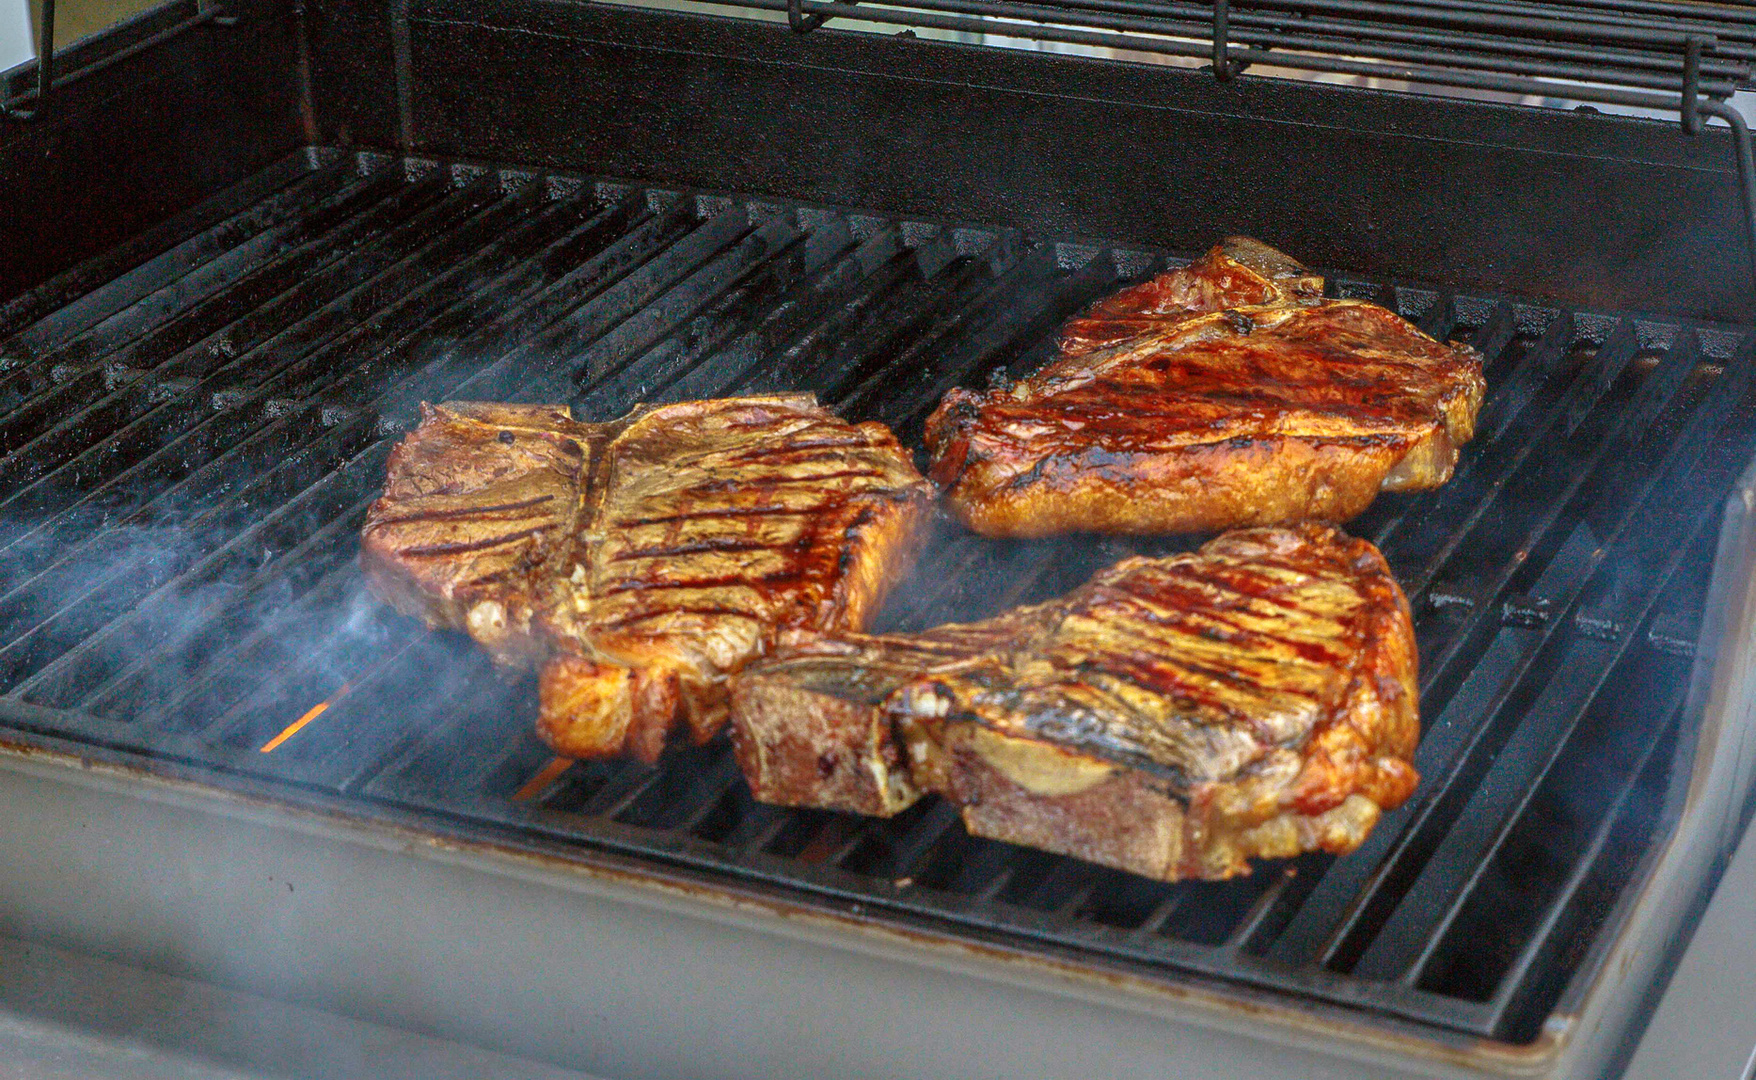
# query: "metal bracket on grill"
[[799, 21], [1746, 165], [1741, 137], [1690, 109], [1224, 67], [803, 23]]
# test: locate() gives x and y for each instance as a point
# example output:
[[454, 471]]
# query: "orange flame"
[[543, 778], [313, 713]]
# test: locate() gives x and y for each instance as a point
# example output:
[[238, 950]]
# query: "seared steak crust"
[[1224, 394], [643, 560], [1173, 717], [477, 520]]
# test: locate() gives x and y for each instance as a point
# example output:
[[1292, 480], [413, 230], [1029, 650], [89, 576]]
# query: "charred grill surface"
[[1223, 394], [193, 438]]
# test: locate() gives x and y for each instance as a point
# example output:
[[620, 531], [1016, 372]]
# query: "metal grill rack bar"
[[194, 425]]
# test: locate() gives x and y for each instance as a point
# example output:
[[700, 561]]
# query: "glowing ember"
[[543, 778], [313, 713]]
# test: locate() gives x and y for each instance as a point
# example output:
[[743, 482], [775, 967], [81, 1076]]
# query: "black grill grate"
[[193, 428]]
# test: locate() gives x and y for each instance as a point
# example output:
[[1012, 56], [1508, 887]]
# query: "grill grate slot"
[[78, 373], [1630, 564], [195, 423], [91, 292]]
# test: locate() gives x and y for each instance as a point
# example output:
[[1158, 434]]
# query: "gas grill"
[[245, 243]]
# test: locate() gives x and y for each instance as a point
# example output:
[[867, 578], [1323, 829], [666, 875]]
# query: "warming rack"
[[1671, 57]]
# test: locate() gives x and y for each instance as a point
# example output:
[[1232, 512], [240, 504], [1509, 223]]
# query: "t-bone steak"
[[640, 562], [1224, 394], [1174, 717]]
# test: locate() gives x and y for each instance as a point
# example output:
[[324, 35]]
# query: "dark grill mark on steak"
[[463, 547], [723, 512], [766, 483], [718, 543], [467, 511]]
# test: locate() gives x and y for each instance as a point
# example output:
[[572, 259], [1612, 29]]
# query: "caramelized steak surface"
[[1173, 717], [641, 561], [1227, 393]]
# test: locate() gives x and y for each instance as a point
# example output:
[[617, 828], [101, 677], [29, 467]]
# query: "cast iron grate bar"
[[87, 294], [226, 323], [167, 310], [196, 422], [134, 256], [1427, 908], [73, 456]]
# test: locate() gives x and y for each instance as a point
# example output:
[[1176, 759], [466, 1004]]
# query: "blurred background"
[[15, 33], [75, 19], [20, 21]]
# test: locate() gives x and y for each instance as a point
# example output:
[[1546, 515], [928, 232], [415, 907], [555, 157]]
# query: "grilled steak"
[[643, 560], [1224, 394], [1173, 717]]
